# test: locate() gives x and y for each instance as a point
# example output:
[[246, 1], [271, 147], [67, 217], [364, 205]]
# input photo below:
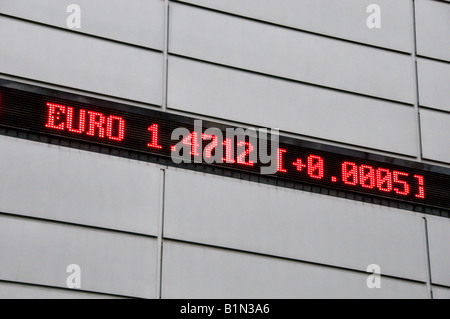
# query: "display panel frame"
[[359, 158]]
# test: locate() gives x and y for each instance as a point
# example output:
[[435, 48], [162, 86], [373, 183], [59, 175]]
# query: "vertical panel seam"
[[163, 171], [428, 261], [416, 85], [165, 55], [160, 232]]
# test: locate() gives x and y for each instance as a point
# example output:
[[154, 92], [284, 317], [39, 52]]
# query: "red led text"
[[65, 118]]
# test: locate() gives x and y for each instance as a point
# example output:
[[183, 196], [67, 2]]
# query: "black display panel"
[[181, 138]]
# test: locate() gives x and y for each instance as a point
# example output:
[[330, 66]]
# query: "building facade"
[[373, 77]]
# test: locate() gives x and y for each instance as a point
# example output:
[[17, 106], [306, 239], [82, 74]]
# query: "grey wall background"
[[309, 67]]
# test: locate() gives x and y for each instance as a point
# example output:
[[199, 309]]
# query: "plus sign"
[[299, 164]]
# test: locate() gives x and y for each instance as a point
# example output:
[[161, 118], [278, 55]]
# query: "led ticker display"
[[181, 138]]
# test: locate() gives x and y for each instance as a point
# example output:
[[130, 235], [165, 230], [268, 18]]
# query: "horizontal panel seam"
[[290, 27], [63, 289], [434, 109], [440, 285], [79, 225], [297, 135], [424, 57], [97, 94], [442, 1], [85, 34], [379, 98], [278, 257]]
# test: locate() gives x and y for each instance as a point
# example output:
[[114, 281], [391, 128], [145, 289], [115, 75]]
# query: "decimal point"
[[333, 179], [173, 148]]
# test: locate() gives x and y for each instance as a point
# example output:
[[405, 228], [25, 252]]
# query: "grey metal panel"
[[80, 187], [38, 252], [10, 290], [256, 46], [439, 248], [434, 84], [433, 29], [78, 61], [138, 22], [284, 222], [270, 102], [435, 127], [343, 19], [441, 292], [218, 273]]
